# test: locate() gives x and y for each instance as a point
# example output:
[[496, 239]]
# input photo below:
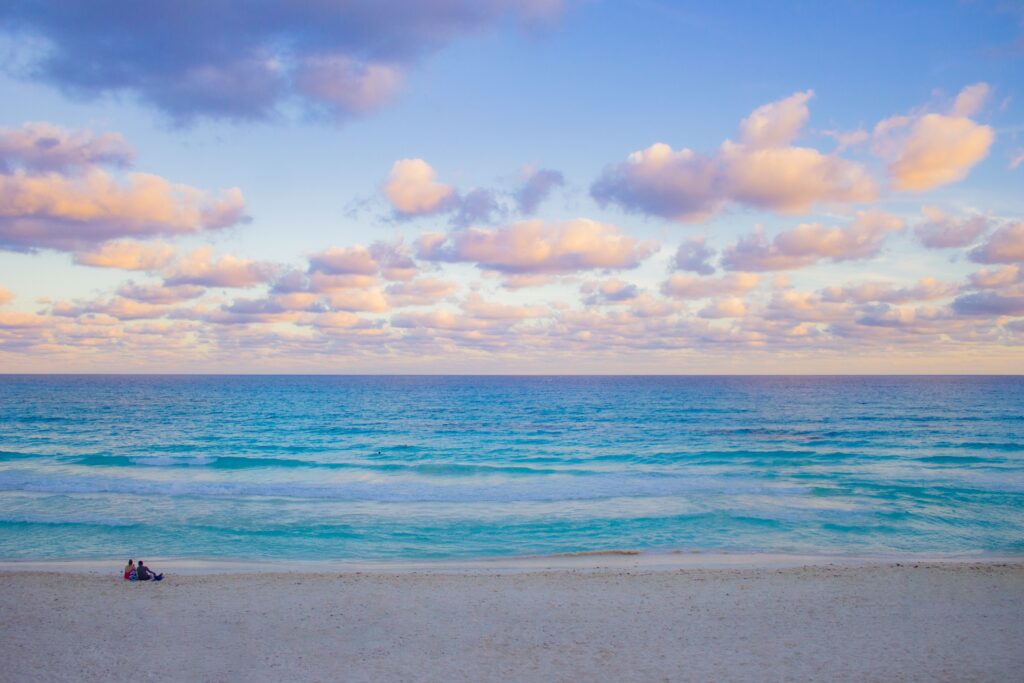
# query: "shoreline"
[[626, 559]]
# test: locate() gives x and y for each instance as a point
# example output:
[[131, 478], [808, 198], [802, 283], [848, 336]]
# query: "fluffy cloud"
[[1005, 245], [536, 187], [691, 287], [221, 59], [810, 242], [413, 190], [535, 247], [421, 292], [940, 231], [763, 170], [929, 150], [695, 256], [6, 296], [53, 194], [43, 148], [997, 278], [610, 291], [159, 293], [885, 292], [988, 303], [730, 307], [199, 267], [391, 260], [127, 255]]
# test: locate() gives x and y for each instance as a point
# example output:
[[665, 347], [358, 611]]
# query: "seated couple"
[[140, 573]]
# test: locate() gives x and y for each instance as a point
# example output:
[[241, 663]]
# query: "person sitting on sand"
[[129, 570], [145, 574]]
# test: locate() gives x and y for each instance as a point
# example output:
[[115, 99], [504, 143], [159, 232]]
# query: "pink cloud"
[[476, 307], [369, 300], [199, 267], [348, 87], [127, 255], [763, 170], [940, 231], [159, 293], [391, 260], [1005, 245], [729, 307], [929, 150], [691, 287], [609, 291], [808, 243], [997, 278], [413, 190], [55, 194], [6, 296], [40, 147], [534, 247], [694, 255], [421, 292], [866, 292]]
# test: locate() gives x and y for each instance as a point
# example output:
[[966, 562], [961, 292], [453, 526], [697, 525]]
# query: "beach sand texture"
[[933, 621]]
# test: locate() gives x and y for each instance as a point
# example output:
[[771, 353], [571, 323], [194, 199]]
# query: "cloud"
[[610, 291], [370, 300], [998, 278], [413, 190], [808, 243], [691, 287], [763, 170], [118, 309], [1016, 159], [6, 296], [694, 255], [127, 255], [344, 261], [391, 260], [344, 86], [536, 188], [1005, 245], [477, 206], [198, 267], [971, 100], [224, 60], [159, 293], [731, 307], [535, 247], [476, 307], [940, 231], [54, 194], [929, 150], [867, 292], [41, 147], [421, 292], [989, 304]]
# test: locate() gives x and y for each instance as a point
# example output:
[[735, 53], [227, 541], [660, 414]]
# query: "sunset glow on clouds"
[[368, 187]]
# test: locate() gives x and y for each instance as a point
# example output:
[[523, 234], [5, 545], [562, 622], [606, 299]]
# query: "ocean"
[[412, 467]]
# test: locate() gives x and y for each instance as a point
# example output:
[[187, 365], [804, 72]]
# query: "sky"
[[512, 186]]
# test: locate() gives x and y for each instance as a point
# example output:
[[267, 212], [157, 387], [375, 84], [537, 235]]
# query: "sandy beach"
[[605, 622]]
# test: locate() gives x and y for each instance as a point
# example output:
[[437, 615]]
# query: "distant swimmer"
[[144, 574]]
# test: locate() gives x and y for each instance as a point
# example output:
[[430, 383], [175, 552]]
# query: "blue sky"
[[484, 94]]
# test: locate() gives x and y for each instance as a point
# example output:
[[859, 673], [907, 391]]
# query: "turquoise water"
[[446, 467]]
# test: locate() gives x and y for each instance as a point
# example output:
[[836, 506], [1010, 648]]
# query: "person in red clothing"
[[129, 568]]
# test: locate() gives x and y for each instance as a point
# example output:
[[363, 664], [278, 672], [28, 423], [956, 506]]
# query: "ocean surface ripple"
[[297, 467]]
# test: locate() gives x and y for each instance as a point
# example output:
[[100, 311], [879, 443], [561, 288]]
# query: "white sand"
[[947, 621]]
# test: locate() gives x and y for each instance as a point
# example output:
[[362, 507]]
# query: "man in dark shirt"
[[145, 575]]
